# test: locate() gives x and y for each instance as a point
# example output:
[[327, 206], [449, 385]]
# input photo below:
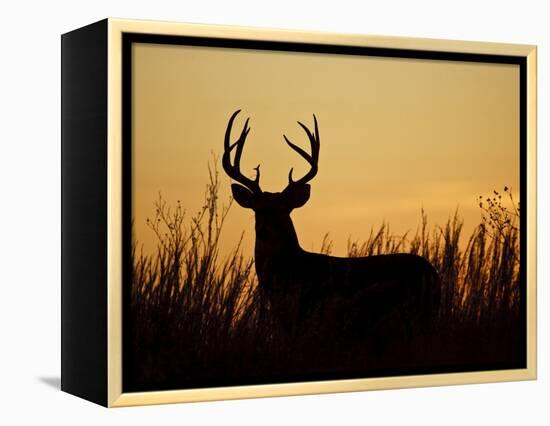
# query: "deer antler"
[[312, 159], [234, 170]]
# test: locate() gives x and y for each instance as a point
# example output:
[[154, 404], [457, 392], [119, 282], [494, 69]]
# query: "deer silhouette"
[[305, 289]]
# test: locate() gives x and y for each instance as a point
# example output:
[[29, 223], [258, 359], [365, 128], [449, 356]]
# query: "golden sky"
[[396, 135]]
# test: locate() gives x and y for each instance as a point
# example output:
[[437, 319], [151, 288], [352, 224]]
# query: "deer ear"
[[297, 195], [242, 196]]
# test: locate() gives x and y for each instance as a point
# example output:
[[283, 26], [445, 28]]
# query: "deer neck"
[[277, 249]]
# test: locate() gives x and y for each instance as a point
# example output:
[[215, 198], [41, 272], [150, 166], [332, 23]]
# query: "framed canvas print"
[[252, 212]]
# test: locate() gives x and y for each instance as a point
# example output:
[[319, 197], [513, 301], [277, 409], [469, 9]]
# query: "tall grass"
[[198, 320], [185, 300]]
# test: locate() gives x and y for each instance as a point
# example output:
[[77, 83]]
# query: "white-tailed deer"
[[303, 288]]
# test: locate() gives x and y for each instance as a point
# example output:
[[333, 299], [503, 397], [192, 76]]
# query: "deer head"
[[274, 229]]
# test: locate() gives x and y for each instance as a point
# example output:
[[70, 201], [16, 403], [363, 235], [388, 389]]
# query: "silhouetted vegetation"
[[198, 320]]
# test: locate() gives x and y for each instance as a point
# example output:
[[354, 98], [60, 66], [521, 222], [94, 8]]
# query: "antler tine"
[[240, 143], [234, 170], [313, 158]]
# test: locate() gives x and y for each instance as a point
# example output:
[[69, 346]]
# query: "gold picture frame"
[[108, 390]]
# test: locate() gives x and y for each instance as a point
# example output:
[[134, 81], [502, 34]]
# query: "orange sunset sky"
[[396, 135]]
